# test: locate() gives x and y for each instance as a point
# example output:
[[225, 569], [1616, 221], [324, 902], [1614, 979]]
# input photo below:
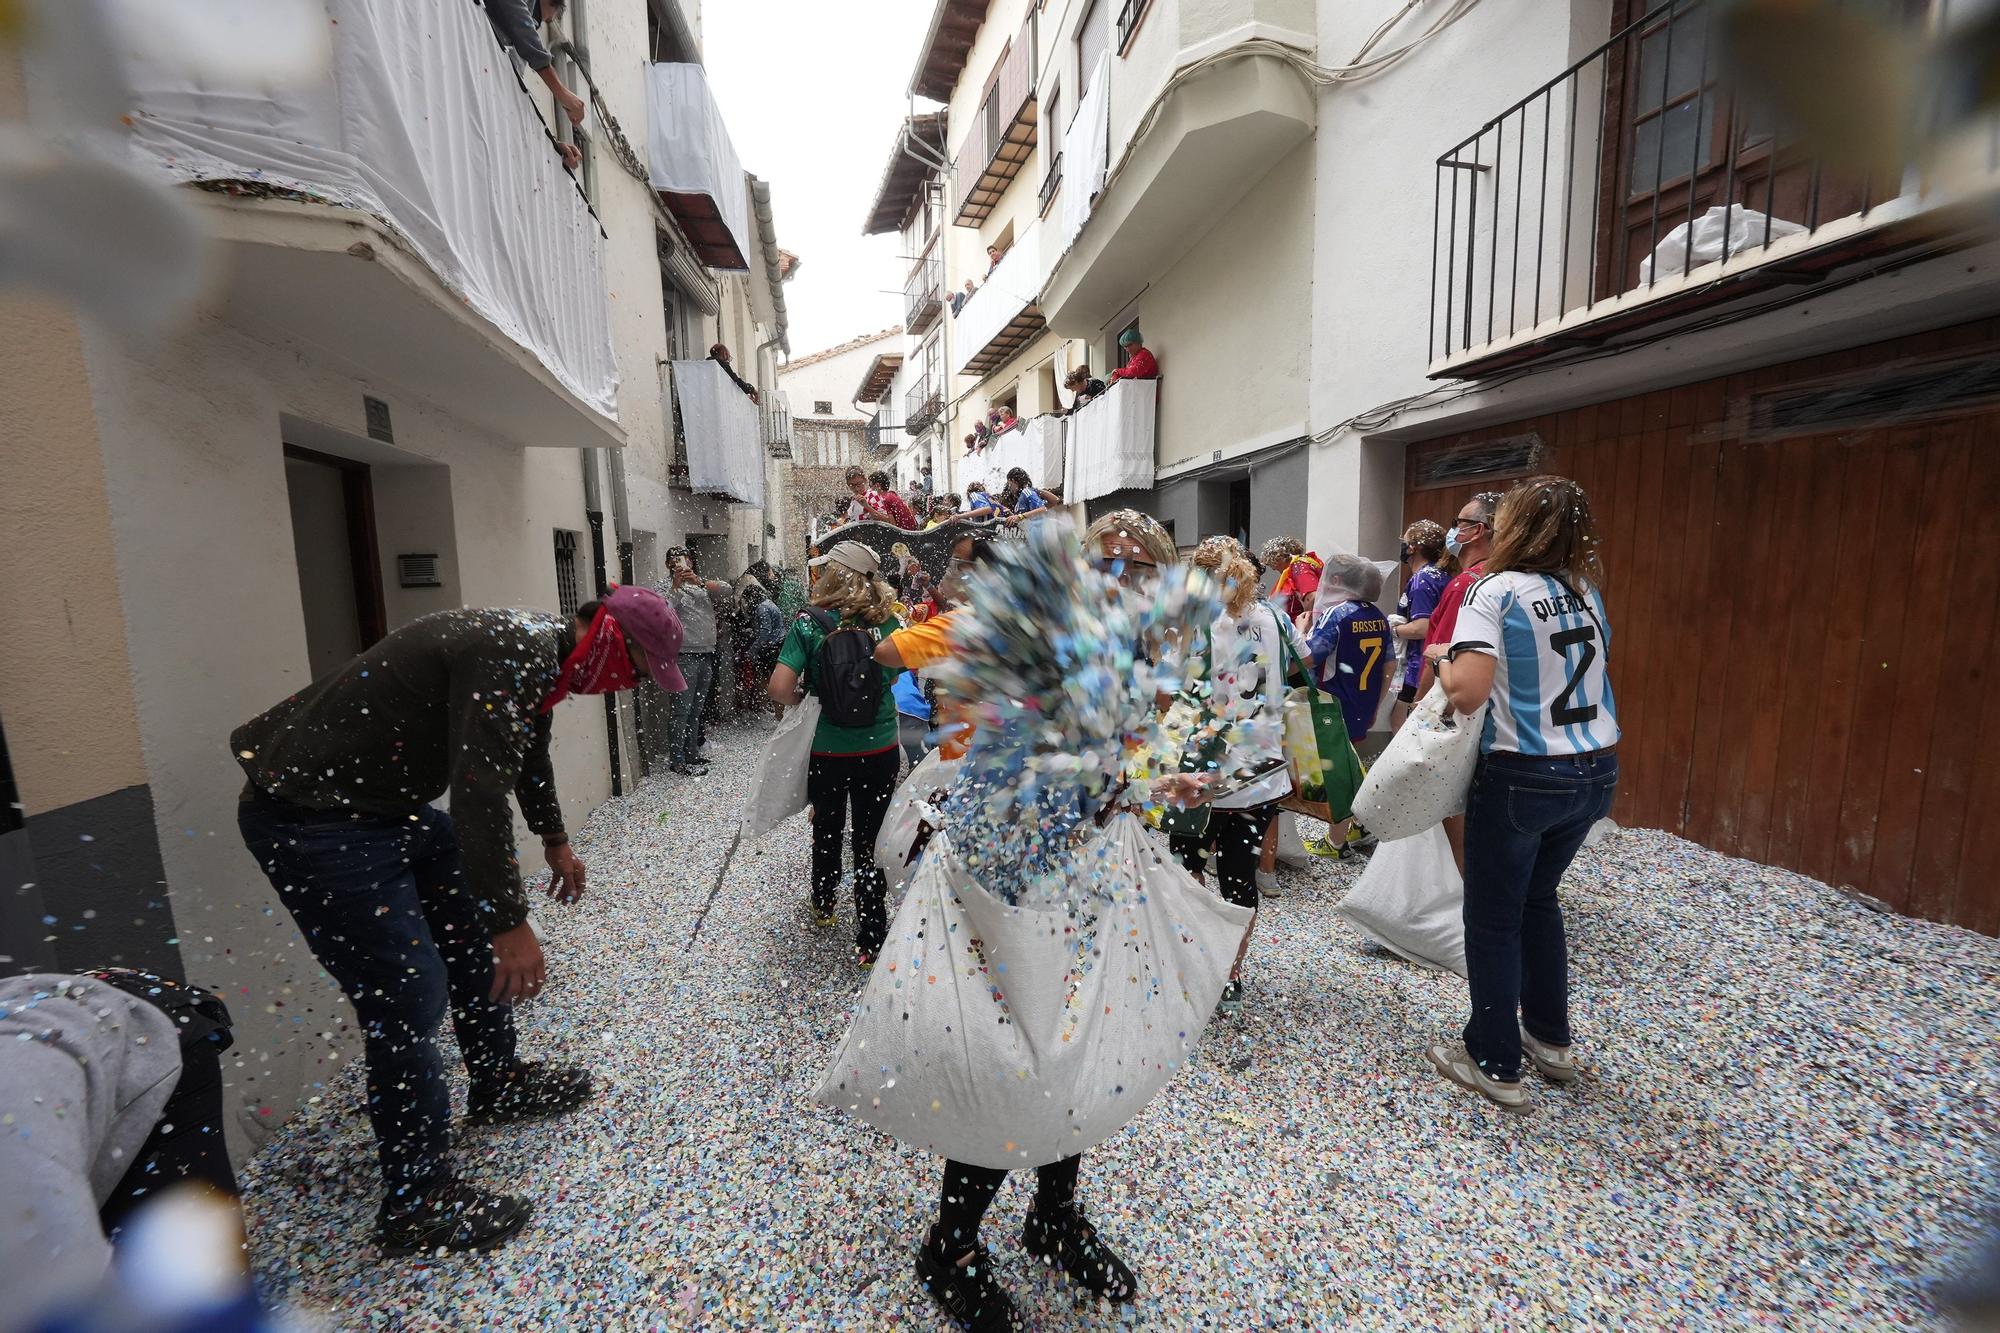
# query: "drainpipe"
[[593, 506]]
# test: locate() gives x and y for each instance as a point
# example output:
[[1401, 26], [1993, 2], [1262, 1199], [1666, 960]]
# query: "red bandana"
[[599, 665]]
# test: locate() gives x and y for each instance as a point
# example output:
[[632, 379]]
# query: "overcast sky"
[[812, 91]]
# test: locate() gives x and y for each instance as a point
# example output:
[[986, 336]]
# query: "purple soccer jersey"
[[1352, 645]]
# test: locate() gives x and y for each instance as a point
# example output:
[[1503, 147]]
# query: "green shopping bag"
[[1325, 769]]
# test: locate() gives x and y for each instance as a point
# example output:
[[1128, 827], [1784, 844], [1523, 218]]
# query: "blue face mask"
[[1451, 541]]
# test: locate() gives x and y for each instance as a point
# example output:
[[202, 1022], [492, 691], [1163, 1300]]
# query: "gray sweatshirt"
[[515, 21]]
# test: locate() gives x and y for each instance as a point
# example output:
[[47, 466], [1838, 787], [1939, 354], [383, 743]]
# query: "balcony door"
[[1678, 142]]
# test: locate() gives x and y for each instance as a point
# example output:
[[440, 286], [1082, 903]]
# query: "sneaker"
[[1360, 839], [823, 917], [451, 1216], [968, 1293], [864, 959], [1267, 883], [1326, 847], [1232, 996], [531, 1091], [1064, 1239], [1455, 1064], [1557, 1064]]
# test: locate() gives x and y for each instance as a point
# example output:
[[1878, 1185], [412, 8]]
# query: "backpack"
[[846, 679]]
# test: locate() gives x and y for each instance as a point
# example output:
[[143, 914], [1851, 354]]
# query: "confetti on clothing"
[[1787, 1123]]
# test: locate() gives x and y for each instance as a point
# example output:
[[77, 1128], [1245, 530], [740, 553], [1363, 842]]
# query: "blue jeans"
[[1524, 820], [698, 669], [384, 908]]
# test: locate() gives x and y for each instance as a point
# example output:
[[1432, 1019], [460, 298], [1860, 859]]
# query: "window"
[[1093, 38], [569, 594], [1129, 14], [822, 407]]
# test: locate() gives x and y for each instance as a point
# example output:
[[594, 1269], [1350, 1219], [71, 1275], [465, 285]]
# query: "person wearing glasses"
[[1467, 540], [1423, 547]]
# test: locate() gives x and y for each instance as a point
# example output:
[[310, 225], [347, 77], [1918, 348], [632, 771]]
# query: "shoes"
[[1456, 1064], [694, 769], [1326, 847], [968, 1293], [864, 959], [451, 1216], [1267, 884], [1361, 840], [1557, 1064], [531, 1091], [1064, 1239], [823, 917], [1232, 996]]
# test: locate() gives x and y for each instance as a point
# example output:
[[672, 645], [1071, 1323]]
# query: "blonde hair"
[[1290, 547], [1225, 558], [862, 597], [1133, 526], [1544, 527]]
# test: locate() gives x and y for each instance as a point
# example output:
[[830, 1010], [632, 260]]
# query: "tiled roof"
[[903, 180], [848, 346], [954, 25]]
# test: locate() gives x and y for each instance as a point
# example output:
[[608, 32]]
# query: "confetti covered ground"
[[1788, 1117]]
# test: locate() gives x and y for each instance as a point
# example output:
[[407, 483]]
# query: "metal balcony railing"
[[1128, 21], [778, 433], [1051, 183], [1597, 195], [923, 294], [922, 404], [1002, 134]]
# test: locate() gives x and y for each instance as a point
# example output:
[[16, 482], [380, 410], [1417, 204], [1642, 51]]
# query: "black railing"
[[1051, 182], [921, 404], [923, 294], [1634, 167], [1128, 21]]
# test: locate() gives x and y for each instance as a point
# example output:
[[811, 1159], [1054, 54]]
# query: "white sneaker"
[[1267, 883], [1556, 1063], [1455, 1064]]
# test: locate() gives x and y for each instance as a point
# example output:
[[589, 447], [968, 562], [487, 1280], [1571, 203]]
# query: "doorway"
[[333, 542]]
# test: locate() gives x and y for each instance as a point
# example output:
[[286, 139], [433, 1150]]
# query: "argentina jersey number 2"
[[1562, 711]]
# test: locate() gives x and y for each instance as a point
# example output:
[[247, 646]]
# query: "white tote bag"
[[914, 804], [1013, 1037], [779, 789], [1411, 901], [1424, 773]]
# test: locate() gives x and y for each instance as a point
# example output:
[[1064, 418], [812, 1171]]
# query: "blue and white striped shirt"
[[1551, 686]]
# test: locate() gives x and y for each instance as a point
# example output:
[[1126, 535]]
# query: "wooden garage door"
[[1805, 623]]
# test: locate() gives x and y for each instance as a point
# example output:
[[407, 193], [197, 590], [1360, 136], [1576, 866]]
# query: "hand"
[[1182, 789], [518, 970], [572, 105], [919, 614], [565, 872], [1436, 653], [570, 155]]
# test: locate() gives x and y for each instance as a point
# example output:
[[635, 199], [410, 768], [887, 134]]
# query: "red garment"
[[892, 504], [598, 665], [1296, 586], [1444, 617], [1142, 366]]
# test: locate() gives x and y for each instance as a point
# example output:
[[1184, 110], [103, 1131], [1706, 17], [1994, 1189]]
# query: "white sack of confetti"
[[1424, 773], [1013, 1036], [778, 791], [914, 805], [1411, 901]]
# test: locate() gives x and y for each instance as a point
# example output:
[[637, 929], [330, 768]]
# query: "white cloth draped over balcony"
[[1086, 149], [426, 128], [1008, 290], [1036, 446], [688, 152], [719, 422], [1111, 441]]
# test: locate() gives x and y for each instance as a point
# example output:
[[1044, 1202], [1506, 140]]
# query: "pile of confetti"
[[1788, 1121]]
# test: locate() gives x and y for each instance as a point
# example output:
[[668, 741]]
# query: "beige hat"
[[850, 555]]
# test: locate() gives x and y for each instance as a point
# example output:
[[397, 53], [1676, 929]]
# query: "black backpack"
[[846, 678]]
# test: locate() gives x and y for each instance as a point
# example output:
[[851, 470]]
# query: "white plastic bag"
[[1411, 901], [1013, 1037], [1424, 773], [1746, 229], [914, 804], [1291, 846], [779, 789]]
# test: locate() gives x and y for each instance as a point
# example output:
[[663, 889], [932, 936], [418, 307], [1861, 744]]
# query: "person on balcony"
[[720, 355], [518, 22], [994, 254], [1139, 362], [958, 299], [1083, 385]]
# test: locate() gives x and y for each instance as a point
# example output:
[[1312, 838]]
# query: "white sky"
[[812, 92]]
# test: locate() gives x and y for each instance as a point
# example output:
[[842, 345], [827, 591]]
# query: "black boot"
[[1061, 1237], [968, 1293], [528, 1092], [451, 1216]]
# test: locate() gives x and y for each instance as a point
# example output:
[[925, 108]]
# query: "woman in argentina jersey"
[[1534, 638]]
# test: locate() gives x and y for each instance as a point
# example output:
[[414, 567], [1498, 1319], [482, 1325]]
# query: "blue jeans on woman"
[[1525, 817], [385, 909], [698, 669]]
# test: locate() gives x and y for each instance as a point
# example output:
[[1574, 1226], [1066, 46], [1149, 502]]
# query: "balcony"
[[1564, 222], [1051, 182], [719, 428], [778, 433], [1109, 443], [693, 166], [1002, 136], [409, 218], [1003, 316], [922, 404], [923, 293]]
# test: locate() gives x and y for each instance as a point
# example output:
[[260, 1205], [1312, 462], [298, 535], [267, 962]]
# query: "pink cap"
[[650, 620]]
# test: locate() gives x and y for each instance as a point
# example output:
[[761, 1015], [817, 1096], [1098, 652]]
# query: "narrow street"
[[1779, 1126]]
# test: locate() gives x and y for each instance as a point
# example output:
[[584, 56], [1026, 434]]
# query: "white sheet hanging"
[[1013, 286], [1086, 148], [720, 423], [688, 149], [424, 127], [1110, 442]]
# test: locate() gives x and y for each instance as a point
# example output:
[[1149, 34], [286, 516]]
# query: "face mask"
[[1452, 543], [1403, 555]]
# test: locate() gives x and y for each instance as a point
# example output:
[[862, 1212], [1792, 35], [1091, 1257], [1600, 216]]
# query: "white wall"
[[834, 379]]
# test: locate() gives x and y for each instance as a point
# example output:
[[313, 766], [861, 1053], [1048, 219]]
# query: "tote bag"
[[1424, 773], [912, 809], [1411, 901], [778, 791], [1013, 1037]]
